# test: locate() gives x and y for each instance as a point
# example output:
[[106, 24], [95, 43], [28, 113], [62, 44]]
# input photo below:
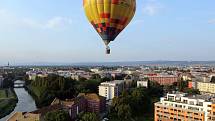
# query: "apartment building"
[[180, 107], [203, 87], [206, 87], [83, 103], [162, 79], [111, 89]]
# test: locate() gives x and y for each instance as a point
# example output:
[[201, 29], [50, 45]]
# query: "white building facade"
[[142, 84], [111, 89]]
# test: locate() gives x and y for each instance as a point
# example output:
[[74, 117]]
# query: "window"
[[191, 103], [201, 103], [185, 101], [196, 114]]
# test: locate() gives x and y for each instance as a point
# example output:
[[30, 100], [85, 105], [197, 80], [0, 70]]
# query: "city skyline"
[[58, 32]]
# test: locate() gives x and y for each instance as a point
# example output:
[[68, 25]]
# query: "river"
[[25, 103]]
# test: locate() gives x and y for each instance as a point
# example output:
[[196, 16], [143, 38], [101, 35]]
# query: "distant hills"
[[150, 63], [125, 63]]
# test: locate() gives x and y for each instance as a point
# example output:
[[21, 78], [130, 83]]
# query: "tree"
[[182, 85], [106, 79], [45, 89], [7, 82], [57, 116], [121, 107], [135, 103], [89, 117], [139, 101], [124, 111], [192, 91], [96, 76], [213, 79], [88, 86]]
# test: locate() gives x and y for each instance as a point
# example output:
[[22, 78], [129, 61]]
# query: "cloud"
[[31, 23], [9, 20], [211, 21], [152, 8], [52, 23], [58, 22], [2, 12]]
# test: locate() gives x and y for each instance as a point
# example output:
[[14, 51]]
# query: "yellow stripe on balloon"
[[109, 16]]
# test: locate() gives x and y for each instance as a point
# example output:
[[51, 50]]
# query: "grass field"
[[8, 102], [6, 93], [2, 94]]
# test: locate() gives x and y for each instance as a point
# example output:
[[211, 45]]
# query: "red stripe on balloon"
[[115, 2], [105, 15]]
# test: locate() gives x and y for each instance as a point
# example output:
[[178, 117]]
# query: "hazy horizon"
[[93, 63], [56, 31]]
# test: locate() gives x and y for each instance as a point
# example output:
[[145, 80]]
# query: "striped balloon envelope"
[[109, 17]]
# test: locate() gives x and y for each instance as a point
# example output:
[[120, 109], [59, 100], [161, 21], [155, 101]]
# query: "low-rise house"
[[105, 75], [65, 74], [95, 70], [186, 76], [81, 74], [143, 83]]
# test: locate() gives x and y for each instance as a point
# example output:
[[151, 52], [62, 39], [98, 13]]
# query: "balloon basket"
[[107, 50]]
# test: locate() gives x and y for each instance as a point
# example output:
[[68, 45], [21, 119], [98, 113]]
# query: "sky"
[[57, 31]]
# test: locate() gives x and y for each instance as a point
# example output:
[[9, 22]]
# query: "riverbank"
[[40, 95], [25, 103], [8, 101]]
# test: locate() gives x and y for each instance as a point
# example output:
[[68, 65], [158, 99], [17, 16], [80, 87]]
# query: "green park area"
[[8, 101], [44, 90]]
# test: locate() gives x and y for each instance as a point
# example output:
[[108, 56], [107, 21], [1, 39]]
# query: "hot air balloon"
[[109, 17]]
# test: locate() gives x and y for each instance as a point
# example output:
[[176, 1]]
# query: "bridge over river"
[[19, 84]]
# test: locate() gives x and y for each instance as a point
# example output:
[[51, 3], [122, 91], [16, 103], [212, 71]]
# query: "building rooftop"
[[23, 116], [44, 110], [92, 96], [70, 102], [115, 82], [180, 97]]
